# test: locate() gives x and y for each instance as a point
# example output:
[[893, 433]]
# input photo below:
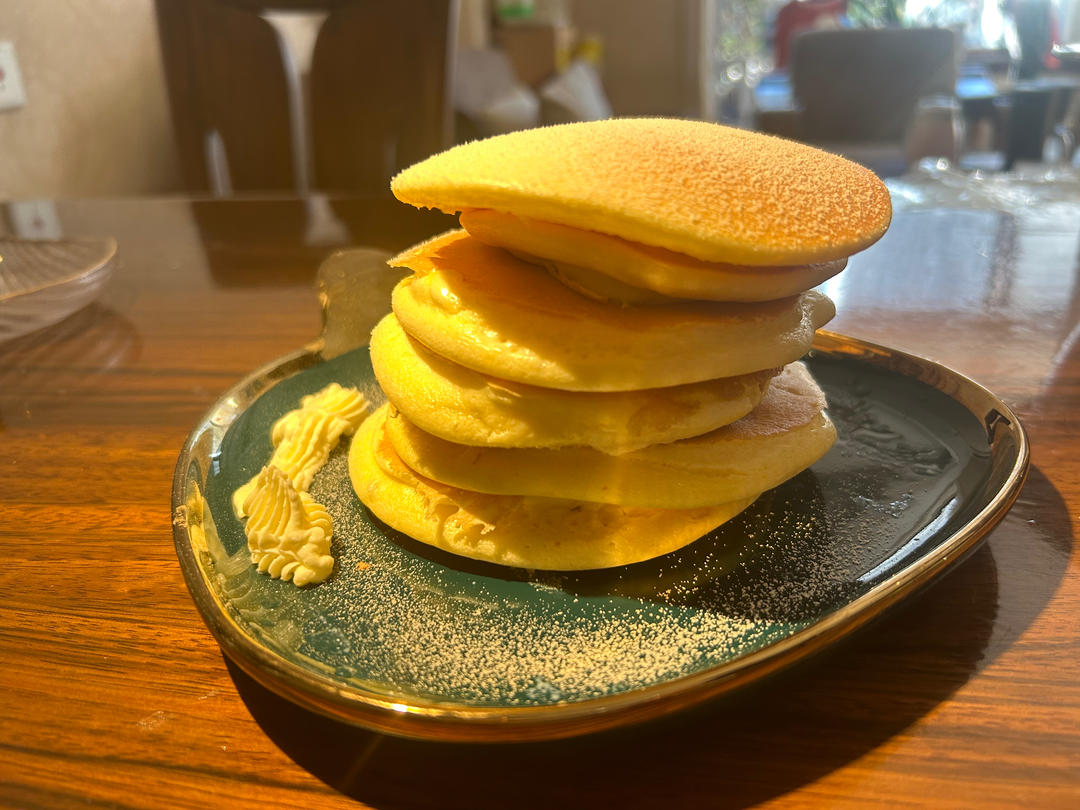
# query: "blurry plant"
[[740, 29], [984, 23], [739, 56], [952, 13], [876, 13]]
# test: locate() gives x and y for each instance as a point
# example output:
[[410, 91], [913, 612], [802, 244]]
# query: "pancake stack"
[[602, 364]]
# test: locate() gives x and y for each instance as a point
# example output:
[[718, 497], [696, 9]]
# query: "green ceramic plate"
[[416, 642]]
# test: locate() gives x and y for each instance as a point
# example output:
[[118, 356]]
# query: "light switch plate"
[[12, 92]]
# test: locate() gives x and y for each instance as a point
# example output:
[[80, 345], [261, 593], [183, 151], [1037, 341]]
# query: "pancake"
[[464, 406], [575, 380], [715, 193], [572, 252], [593, 284], [484, 309], [525, 532], [784, 435]]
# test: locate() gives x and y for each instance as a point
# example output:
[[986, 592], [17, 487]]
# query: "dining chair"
[[302, 95], [857, 91]]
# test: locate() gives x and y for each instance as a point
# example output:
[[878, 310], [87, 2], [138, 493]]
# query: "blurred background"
[[103, 98]]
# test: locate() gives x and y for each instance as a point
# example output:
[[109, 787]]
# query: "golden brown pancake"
[[716, 193], [562, 374], [572, 252], [784, 435], [525, 532], [464, 406], [484, 309]]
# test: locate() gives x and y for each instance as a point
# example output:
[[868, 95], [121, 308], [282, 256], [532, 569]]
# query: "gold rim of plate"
[[431, 720]]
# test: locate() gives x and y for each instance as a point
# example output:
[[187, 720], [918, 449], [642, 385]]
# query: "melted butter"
[[443, 298], [433, 289], [288, 532]]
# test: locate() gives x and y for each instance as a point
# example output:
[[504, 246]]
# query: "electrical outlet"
[[12, 93], [34, 219]]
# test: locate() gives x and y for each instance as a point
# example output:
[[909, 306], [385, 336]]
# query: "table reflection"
[[989, 263]]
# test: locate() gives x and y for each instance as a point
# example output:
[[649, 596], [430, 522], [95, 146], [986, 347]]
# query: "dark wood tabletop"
[[114, 693]]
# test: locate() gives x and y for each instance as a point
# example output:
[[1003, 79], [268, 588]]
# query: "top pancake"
[[715, 193]]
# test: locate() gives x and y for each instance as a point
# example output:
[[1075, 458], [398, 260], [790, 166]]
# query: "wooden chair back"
[[377, 97]]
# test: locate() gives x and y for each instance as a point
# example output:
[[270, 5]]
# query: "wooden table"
[[114, 694]]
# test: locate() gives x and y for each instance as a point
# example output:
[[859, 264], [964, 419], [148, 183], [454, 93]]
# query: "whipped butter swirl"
[[288, 532]]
